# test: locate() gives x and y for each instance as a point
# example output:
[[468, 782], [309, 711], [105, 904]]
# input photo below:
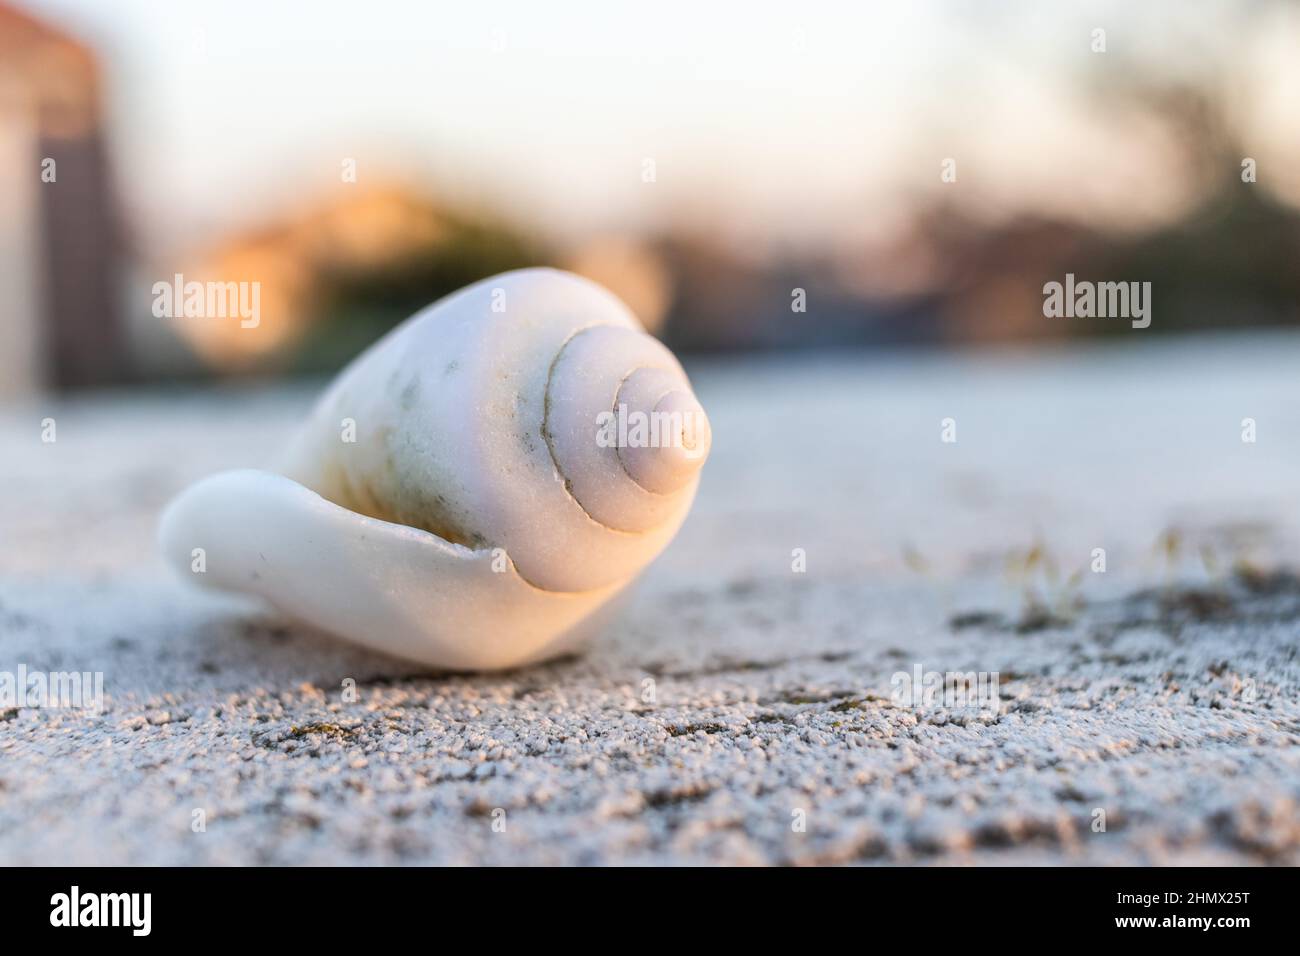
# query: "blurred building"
[[59, 324]]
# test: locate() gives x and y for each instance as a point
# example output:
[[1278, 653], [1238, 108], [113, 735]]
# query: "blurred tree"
[[358, 300]]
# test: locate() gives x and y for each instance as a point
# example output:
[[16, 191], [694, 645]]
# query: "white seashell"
[[477, 520]]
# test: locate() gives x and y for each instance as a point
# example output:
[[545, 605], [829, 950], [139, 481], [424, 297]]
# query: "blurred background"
[[918, 170]]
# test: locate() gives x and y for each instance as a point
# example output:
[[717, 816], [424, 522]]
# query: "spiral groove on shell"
[[596, 475]]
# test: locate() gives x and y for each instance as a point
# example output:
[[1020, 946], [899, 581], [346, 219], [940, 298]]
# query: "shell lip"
[[391, 587], [296, 494]]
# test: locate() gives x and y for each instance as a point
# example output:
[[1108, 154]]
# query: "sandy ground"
[[738, 711]]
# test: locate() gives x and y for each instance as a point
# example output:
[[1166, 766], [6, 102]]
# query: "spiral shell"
[[489, 505]]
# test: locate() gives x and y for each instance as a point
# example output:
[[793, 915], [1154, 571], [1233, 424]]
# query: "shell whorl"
[[607, 377]]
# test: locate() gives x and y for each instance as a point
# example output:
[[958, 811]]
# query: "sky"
[[779, 124]]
